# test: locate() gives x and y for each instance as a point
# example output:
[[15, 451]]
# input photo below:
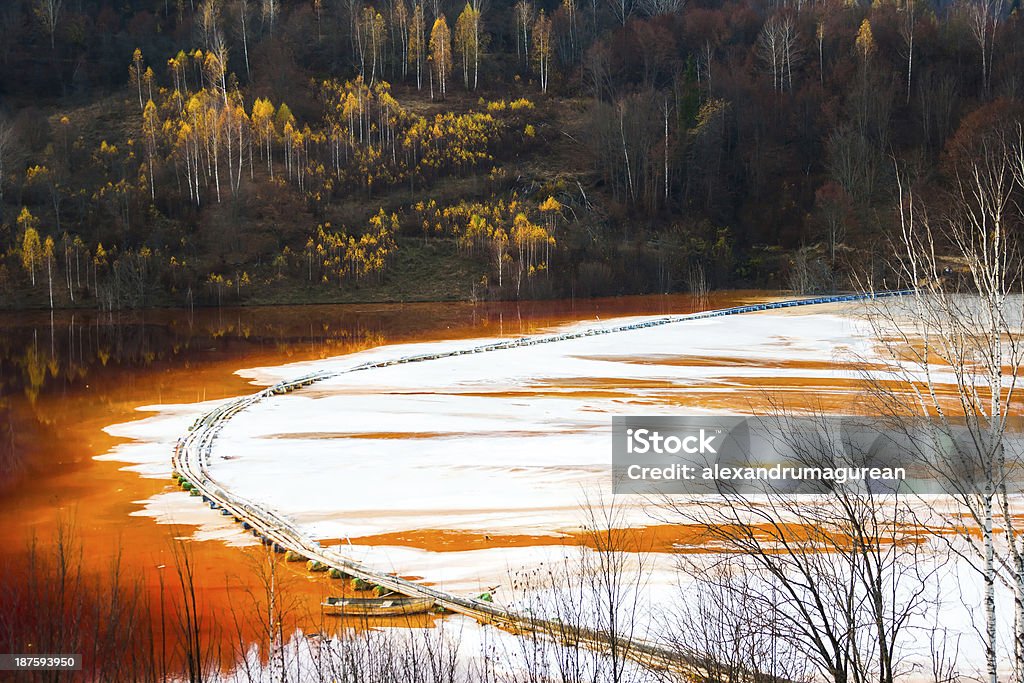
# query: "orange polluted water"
[[65, 377]]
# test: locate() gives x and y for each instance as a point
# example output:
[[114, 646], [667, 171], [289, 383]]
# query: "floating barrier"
[[193, 452]]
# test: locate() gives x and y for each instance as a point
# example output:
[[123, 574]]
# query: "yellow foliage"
[[865, 39]]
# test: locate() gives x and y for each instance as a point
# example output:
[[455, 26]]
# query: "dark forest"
[[178, 152]]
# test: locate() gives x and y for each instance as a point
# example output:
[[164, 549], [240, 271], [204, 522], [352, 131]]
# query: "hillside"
[[235, 151]]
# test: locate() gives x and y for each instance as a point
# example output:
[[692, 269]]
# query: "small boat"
[[391, 606]]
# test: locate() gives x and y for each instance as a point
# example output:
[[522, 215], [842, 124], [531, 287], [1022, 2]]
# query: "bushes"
[[360, 585]]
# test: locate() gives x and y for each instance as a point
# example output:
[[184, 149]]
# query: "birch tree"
[[48, 257], [569, 9], [262, 120], [984, 17], [31, 247], [243, 25], [653, 8], [622, 10], [907, 28], [479, 40], [958, 343], [819, 35], [371, 41], [778, 48], [441, 53], [542, 49], [135, 74], [400, 28], [49, 12], [269, 14], [150, 128], [523, 13], [466, 43], [417, 42]]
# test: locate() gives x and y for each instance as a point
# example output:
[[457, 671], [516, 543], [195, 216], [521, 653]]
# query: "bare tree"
[[653, 8], [622, 10], [958, 342], [829, 576], [615, 574], [726, 635], [819, 35], [243, 29], [590, 602], [778, 49], [984, 17], [191, 629], [523, 15], [938, 97], [269, 14], [907, 27], [49, 12]]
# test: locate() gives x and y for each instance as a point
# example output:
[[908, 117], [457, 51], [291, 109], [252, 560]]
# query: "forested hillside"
[[179, 152]]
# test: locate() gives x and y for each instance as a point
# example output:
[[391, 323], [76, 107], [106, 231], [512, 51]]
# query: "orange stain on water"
[[62, 382], [64, 378]]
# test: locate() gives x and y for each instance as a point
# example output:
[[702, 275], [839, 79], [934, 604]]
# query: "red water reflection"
[[65, 377]]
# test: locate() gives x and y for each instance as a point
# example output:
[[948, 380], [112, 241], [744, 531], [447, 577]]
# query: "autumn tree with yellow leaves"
[[542, 49], [136, 74], [440, 55], [417, 42], [31, 247], [369, 39], [468, 43], [48, 258], [493, 227], [338, 256]]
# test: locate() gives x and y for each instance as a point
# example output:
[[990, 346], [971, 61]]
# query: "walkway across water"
[[193, 452]]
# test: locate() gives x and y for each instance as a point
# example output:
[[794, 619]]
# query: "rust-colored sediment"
[[685, 538], [65, 377], [57, 427]]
